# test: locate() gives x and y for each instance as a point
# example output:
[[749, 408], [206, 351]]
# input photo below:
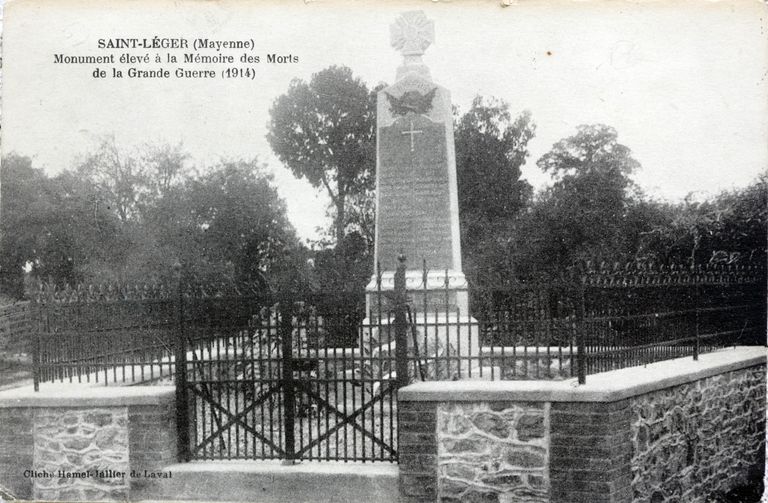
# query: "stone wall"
[[73, 441], [679, 431], [489, 451], [94, 445], [15, 329], [702, 438], [492, 451]]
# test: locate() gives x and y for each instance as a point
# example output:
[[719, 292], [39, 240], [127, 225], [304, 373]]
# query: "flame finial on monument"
[[411, 34]]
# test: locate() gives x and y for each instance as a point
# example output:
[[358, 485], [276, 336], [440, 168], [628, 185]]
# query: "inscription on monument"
[[414, 206]]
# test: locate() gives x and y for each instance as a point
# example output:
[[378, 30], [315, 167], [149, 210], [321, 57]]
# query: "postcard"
[[495, 251]]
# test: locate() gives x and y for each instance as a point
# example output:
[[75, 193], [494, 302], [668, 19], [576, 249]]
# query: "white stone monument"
[[417, 208]]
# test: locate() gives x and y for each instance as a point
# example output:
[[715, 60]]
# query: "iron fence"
[[103, 334], [314, 376], [601, 318], [640, 313]]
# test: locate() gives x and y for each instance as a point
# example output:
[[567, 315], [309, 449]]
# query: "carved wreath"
[[411, 101]]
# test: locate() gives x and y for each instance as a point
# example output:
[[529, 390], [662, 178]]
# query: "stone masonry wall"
[[492, 452], [698, 439], [70, 441], [680, 438], [42, 447]]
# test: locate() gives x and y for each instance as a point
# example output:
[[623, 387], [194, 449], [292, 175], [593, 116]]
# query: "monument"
[[417, 207]]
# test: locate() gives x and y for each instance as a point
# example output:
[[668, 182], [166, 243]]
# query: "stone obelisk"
[[417, 209]]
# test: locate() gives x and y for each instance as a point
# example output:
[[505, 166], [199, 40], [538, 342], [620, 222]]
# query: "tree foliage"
[[324, 131], [52, 225], [728, 228], [130, 216], [120, 178], [234, 218], [588, 206], [491, 148]]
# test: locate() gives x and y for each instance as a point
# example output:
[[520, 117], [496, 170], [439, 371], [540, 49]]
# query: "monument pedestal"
[[441, 346], [443, 340], [443, 291]]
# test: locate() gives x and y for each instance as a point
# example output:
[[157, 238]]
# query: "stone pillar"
[[417, 451], [151, 444], [17, 449], [590, 452], [79, 443]]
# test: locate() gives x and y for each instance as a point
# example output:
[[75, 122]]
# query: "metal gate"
[[287, 379]]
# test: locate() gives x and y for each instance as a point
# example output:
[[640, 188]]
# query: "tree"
[[324, 131], [744, 228], [491, 148], [56, 226], [166, 167], [23, 200], [344, 268], [228, 223], [727, 228], [121, 178], [585, 212]]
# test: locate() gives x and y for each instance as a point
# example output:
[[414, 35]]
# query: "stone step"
[[272, 482]]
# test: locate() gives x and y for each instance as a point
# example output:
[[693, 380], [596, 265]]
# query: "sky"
[[685, 84]]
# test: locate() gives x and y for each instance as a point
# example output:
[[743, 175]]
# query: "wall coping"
[[78, 395], [604, 387]]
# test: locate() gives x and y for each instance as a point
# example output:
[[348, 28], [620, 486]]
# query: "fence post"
[[289, 389], [180, 359], [401, 325], [581, 358], [696, 346], [48, 374], [40, 325], [36, 353]]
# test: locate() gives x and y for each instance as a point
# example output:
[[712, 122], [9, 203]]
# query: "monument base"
[[442, 292], [441, 346]]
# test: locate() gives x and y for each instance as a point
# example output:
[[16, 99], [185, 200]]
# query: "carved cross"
[[412, 132]]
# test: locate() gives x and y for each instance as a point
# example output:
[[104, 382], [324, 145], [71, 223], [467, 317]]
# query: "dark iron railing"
[[639, 313], [279, 389], [313, 376], [601, 318], [126, 334], [103, 335]]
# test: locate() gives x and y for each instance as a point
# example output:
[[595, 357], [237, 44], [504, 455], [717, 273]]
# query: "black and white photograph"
[[342, 251]]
